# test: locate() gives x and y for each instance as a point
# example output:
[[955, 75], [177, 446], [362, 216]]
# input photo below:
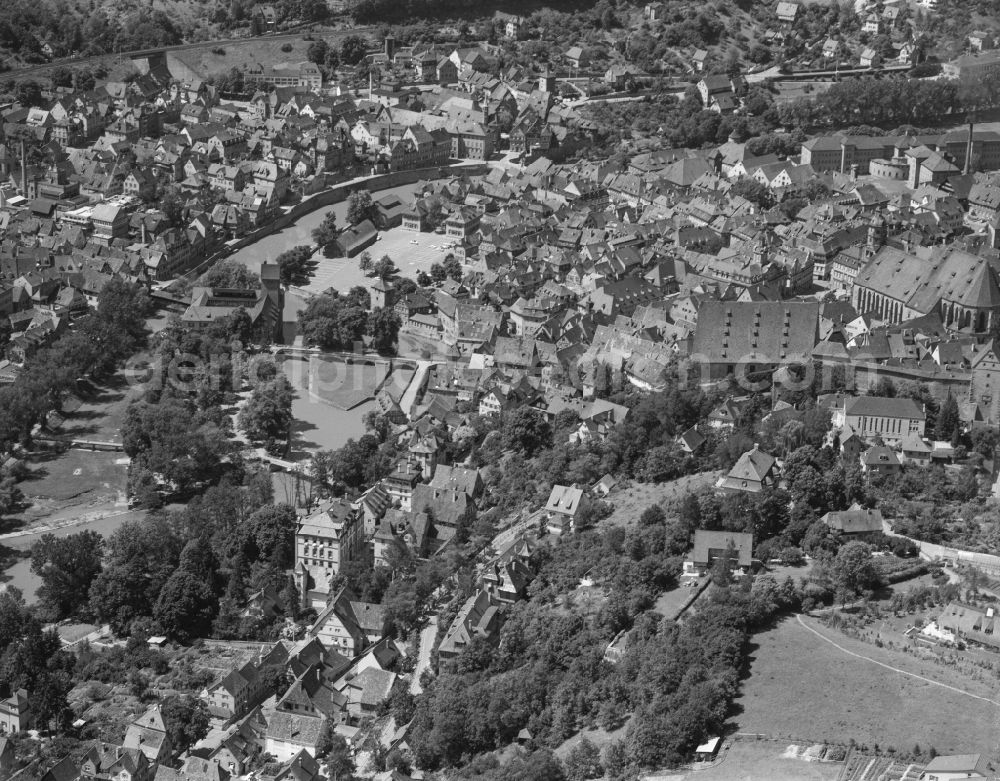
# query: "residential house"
[[880, 460], [478, 618], [712, 545], [952, 767], [148, 733], [15, 711], [566, 509], [653, 11], [753, 472], [290, 733], [856, 521], [348, 625], [971, 624], [786, 12]]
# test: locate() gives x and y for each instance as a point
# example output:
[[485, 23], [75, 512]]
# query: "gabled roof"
[[961, 763], [753, 465], [564, 499], [883, 407], [855, 520], [706, 541]]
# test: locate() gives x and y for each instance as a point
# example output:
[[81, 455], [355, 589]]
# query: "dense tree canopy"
[[230, 274], [267, 414], [332, 323], [294, 265], [67, 567], [359, 207]]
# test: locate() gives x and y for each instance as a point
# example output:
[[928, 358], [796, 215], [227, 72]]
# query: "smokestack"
[[24, 170], [968, 148]]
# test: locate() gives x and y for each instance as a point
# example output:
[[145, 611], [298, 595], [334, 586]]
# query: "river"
[[20, 574]]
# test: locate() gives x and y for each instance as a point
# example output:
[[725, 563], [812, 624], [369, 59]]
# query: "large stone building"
[[962, 288], [751, 339], [324, 541], [264, 306], [871, 154], [892, 419]]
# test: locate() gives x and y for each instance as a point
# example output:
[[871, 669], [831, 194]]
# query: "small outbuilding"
[[707, 751]]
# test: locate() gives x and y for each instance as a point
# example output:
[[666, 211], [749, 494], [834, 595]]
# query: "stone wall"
[[333, 195]]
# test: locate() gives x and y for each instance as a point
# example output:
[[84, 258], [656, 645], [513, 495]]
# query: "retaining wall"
[[333, 195]]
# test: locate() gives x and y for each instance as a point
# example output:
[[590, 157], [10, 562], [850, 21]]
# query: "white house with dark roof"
[[289, 733], [755, 471], [711, 545], [566, 504], [348, 625], [15, 711], [880, 460]]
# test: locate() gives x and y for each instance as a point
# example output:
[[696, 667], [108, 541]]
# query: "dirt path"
[[839, 647]]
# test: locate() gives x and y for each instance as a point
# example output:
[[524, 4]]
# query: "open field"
[[74, 475], [803, 688], [263, 49], [100, 414], [761, 760], [78, 478], [629, 502]]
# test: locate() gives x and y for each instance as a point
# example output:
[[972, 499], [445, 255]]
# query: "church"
[[960, 287]]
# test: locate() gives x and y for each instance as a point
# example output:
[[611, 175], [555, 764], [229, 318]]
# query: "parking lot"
[[411, 252]]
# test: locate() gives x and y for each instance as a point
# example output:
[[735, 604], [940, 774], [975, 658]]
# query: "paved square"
[[411, 252]]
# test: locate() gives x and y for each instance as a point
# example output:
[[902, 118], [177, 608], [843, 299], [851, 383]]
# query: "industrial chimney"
[[24, 170], [968, 146]]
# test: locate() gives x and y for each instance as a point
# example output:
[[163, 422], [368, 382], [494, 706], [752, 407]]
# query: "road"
[[427, 636], [771, 73], [931, 551], [409, 397]]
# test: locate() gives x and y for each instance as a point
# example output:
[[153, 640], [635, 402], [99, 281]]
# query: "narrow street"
[[410, 394], [427, 636]]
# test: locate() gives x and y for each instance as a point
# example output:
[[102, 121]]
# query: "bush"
[[791, 556], [286, 47], [924, 69]]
